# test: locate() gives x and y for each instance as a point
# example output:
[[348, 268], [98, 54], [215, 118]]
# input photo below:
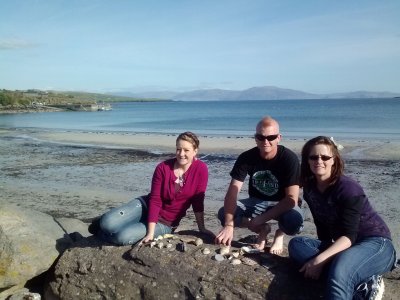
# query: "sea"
[[341, 118]]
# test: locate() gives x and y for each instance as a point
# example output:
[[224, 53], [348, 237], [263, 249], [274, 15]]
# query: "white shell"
[[152, 244], [250, 250], [160, 245], [236, 261], [160, 237], [206, 251], [235, 254], [198, 242], [224, 250]]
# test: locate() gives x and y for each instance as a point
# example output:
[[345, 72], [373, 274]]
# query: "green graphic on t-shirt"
[[265, 182]]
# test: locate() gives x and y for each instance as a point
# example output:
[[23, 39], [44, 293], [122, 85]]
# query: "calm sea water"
[[364, 118]]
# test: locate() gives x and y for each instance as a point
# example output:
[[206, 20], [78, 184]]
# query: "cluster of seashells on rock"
[[235, 257], [165, 241]]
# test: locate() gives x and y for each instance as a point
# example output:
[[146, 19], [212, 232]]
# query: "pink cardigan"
[[166, 205]]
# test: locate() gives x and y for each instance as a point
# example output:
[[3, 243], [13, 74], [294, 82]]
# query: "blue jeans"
[[365, 258], [126, 224], [290, 222]]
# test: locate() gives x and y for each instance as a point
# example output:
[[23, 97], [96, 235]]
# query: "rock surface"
[[94, 271], [30, 242]]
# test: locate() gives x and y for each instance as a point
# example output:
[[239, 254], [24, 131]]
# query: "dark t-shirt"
[[268, 178]]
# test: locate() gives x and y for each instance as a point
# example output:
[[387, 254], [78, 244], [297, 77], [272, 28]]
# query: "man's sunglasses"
[[269, 138], [323, 157]]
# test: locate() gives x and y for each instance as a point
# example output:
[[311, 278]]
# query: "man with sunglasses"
[[273, 190]]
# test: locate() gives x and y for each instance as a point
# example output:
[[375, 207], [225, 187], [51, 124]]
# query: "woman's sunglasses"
[[269, 138], [323, 157]]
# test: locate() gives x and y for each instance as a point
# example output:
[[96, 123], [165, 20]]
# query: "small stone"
[[219, 257], [182, 247], [160, 245]]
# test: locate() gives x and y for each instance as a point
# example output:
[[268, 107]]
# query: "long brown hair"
[[306, 176]]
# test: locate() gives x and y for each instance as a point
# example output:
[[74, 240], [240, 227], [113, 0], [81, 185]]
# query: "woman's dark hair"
[[306, 176], [189, 137]]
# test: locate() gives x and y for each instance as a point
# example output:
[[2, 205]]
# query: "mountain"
[[254, 93], [146, 95]]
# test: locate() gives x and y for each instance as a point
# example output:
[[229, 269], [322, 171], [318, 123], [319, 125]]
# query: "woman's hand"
[[146, 239], [313, 268]]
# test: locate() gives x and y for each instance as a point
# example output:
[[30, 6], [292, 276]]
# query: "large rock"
[[95, 271], [30, 242]]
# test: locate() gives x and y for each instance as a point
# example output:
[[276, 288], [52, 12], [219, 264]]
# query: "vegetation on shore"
[[45, 100]]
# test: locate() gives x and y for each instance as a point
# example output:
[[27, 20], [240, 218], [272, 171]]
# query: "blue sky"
[[100, 46]]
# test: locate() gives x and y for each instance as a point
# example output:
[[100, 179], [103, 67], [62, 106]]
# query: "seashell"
[[160, 237], [152, 244], [168, 236], [224, 250], [160, 245], [206, 251], [219, 257], [235, 254], [250, 250], [169, 245], [236, 261], [198, 242]]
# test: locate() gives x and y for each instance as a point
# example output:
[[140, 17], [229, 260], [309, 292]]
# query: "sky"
[[316, 46]]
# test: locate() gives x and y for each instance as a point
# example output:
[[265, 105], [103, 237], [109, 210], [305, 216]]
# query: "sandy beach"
[[83, 174]]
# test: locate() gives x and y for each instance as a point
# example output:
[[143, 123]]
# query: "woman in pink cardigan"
[[177, 184]]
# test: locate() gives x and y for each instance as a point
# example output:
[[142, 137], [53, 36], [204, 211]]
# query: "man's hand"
[[225, 236]]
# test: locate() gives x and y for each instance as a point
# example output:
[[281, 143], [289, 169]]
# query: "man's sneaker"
[[371, 290]]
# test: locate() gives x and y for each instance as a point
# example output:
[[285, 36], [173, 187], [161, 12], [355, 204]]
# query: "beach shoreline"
[[81, 175], [354, 148]]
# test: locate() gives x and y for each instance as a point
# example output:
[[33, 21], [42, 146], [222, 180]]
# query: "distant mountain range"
[[254, 93]]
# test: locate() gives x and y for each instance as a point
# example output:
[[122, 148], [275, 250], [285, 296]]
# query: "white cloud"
[[13, 44]]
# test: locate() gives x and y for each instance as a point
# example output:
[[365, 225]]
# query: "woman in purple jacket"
[[354, 243], [178, 184]]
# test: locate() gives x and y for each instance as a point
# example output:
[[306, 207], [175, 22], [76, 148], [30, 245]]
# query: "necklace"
[[180, 180]]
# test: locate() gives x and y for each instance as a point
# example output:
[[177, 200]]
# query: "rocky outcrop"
[[180, 271], [30, 242]]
